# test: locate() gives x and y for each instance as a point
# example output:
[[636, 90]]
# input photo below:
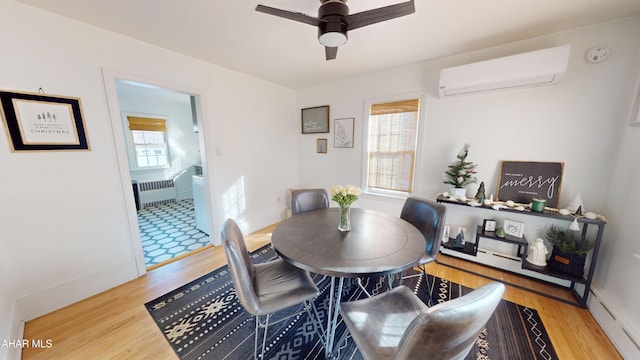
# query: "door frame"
[[110, 77]]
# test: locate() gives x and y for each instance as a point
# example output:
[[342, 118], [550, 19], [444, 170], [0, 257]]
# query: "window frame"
[[418, 146], [149, 147], [131, 146]]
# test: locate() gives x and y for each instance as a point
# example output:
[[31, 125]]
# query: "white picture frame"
[[513, 228], [343, 133], [446, 233]]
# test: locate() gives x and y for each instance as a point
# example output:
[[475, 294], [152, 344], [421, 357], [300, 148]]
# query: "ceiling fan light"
[[332, 39]]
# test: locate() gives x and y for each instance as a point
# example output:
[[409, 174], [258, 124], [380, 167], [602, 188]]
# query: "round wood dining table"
[[378, 244]]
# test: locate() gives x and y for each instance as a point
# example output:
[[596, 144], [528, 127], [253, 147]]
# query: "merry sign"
[[521, 181]]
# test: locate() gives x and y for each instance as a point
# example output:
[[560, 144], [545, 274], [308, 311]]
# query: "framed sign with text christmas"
[[43, 122]]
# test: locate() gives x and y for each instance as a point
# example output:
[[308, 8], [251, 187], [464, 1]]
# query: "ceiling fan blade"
[[369, 17], [330, 52], [295, 16]]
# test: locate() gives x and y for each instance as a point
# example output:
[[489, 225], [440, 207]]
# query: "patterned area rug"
[[205, 320]]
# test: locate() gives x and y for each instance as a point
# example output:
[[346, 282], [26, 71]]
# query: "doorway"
[[162, 218]]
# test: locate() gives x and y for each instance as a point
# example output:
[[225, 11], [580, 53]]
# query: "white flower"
[[345, 195]]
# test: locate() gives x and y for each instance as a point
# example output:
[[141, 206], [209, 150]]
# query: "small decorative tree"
[[460, 172]]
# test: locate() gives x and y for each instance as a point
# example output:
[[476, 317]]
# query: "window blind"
[[395, 107], [147, 124], [392, 144]]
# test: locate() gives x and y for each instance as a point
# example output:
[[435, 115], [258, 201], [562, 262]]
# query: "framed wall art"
[[521, 181], [315, 120], [43, 122], [513, 228], [343, 133], [321, 146], [488, 225]]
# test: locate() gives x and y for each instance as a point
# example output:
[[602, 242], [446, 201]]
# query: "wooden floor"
[[116, 325]]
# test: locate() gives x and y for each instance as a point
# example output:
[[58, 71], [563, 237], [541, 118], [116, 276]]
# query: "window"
[[392, 139], [149, 136]]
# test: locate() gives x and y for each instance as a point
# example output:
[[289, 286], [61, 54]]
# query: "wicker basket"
[[571, 264]]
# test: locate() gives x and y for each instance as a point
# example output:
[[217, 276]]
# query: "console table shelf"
[[520, 242], [551, 272], [469, 248], [581, 296]]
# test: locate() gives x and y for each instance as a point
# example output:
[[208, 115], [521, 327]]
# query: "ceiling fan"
[[334, 21]]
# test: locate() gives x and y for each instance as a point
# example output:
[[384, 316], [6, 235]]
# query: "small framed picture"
[[462, 231], [321, 146], [489, 225], [513, 228], [446, 233]]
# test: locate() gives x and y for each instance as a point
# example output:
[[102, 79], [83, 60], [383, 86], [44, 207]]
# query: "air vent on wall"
[[535, 68]]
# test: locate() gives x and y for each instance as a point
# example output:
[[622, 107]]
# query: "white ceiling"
[[230, 33]]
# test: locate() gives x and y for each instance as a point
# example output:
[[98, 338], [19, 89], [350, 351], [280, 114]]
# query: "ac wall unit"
[[535, 68]]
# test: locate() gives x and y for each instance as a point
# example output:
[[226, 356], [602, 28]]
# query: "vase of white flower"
[[345, 196], [460, 173]]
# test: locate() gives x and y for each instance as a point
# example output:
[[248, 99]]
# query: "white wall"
[[63, 239], [581, 122], [618, 271], [574, 116]]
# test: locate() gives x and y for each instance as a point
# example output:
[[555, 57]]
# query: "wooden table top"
[[378, 243]]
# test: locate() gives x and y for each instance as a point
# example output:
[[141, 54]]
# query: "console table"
[[584, 281]]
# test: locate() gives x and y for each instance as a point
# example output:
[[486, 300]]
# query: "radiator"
[[153, 193]]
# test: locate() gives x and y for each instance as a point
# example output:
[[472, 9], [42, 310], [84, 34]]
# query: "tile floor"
[[168, 231]]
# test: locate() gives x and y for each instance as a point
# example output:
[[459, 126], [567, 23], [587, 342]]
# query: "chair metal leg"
[[265, 327], [255, 340], [361, 286], [315, 319], [262, 322], [426, 282]]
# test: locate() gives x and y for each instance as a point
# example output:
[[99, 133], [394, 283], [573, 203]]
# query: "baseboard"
[[625, 338], [9, 348], [32, 306]]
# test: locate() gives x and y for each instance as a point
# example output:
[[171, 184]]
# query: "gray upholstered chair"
[[398, 325], [308, 199], [429, 217], [266, 288]]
